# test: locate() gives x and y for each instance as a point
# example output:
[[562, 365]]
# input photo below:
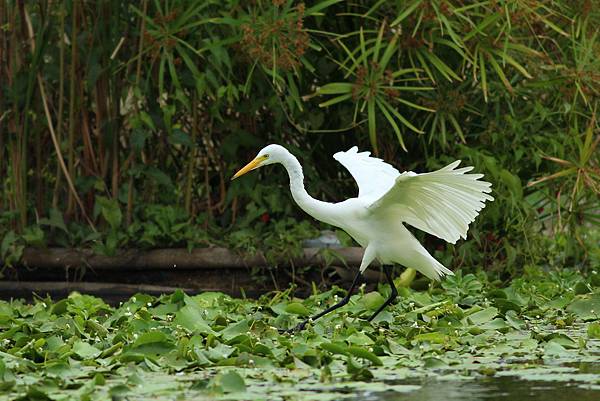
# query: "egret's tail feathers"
[[432, 268], [441, 271]]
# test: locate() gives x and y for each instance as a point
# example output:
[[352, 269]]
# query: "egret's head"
[[268, 155]]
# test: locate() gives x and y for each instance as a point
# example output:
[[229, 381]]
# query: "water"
[[495, 389]]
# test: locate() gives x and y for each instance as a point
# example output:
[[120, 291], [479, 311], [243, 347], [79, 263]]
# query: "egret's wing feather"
[[373, 176], [442, 203]]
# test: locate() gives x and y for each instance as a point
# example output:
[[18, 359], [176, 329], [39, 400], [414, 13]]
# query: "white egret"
[[442, 203]]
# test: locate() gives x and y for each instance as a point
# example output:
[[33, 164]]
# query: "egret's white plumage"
[[442, 203]]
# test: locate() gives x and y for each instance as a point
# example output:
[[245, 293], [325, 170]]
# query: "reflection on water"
[[494, 389]]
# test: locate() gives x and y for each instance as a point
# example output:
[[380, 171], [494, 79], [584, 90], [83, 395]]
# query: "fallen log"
[[112, 292], [200, 258]]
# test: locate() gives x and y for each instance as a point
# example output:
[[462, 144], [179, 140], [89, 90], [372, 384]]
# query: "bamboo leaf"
[[400, 117], [371, 116], [378, 43], [335, 88], [500, 73], [407, 11], [483, 76], [335, 100], [389, 51], [314, 10], [414, 105], [446, 71], [392, 122]]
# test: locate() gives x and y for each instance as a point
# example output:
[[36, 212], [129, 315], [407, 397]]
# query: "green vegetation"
[[121, 122], [183, 347]]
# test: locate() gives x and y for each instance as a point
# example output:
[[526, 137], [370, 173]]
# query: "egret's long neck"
[[316, 208]]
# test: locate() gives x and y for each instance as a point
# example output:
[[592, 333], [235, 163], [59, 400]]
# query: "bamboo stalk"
[[192, 158], [52, 133], [61, 101], [72, 95], [138, 74], [3, 113], [14, 123]]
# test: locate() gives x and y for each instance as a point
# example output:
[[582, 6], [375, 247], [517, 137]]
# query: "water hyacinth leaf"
[[438, 338], [593, 330], [296, 308], [587, 307], [482, 316], [505, 305], [554, 349], [85, 350], [335, 348], [363, 353], [435, 363], [229, 382], [372, 300], [192, 319], [359, 339], [235, 330], [153, 343]]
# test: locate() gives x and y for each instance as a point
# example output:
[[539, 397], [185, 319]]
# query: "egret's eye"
[[266, 156]]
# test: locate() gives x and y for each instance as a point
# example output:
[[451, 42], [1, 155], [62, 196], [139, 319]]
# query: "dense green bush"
[[121, 122]]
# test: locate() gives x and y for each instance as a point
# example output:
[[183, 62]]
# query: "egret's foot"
[[311, 319], [295, 329], [373, 316], [393, 294]]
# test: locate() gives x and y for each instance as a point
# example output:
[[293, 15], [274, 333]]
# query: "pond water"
[[493, 389], [573, 381]]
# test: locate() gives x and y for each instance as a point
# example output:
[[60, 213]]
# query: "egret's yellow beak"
[[250, 166]]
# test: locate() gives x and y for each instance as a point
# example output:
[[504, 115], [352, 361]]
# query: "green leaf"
[[360, 352], [435, 337], [359, 339], [586, 308], [372, 118], [138, 139], [159, 176], [335, 100], [110, 211], [593, 330], [85, 350], [407, 11], [335, 348], [180, 138], [513, 182], [55, 220], [483, 316], [335, 88], [296, 308], [235, 330], [146, 119], [229, 382], [191, 318], [34, 236], [372, 300]]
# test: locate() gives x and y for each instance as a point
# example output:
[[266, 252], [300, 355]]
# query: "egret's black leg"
[[343, 302], [388, 273]]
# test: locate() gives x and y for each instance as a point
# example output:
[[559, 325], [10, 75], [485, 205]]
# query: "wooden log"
[[200, 258], [110, 291]]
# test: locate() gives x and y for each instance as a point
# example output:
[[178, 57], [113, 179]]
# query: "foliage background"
[[121, 122]]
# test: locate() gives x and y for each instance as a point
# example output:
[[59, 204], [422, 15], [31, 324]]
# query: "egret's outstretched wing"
[[442, 203], [373, 176]]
